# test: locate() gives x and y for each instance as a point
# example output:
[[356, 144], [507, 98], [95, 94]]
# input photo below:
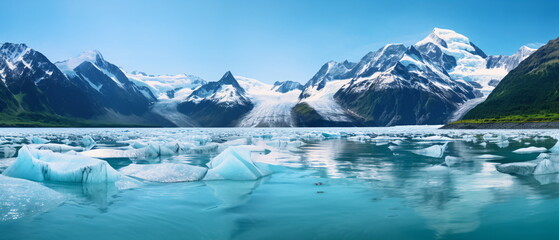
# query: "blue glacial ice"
[[235, 163], [45, 165]]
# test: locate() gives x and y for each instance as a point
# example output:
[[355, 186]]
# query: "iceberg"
[[451, 161], [165, 172], [518, 168], [235, 163], [88, 142], [547, 166], [530, 150], [55, 147], [555, 148], [435, 151], [45, 165], [38, 140], [331, 135], [21, 198], [7, 151]]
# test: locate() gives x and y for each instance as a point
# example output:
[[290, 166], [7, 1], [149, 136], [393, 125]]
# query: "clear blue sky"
[[266, 40]]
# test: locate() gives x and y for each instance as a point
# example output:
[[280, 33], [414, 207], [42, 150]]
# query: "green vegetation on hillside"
[[29, 119], [542, 117], [530, 92]]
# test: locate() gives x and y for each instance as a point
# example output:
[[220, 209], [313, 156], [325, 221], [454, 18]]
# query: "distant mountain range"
[[430, 82]]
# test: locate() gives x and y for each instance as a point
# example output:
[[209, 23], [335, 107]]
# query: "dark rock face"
[[40, 85]]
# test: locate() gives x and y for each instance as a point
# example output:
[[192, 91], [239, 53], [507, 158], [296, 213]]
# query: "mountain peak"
[[13, 51], [228, 78], [92, 56]]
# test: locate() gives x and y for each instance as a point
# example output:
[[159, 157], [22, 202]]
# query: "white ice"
[[435, 151], [530, 150]]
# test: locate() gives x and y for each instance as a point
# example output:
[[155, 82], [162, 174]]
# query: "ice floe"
[[165, 172], [530, 150], [20, 198], [435, 151]]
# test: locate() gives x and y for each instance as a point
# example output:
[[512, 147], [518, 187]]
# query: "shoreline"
[[503, 125]]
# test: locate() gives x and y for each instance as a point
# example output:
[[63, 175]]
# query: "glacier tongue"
[[44, 165], [21, 198]]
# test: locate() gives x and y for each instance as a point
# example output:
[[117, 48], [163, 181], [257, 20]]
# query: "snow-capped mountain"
[[439, 78], [39, 86], [427, 83], [462, 59], [330, 71], [217, 104], [412, 91], [107, 84], [509, 62]]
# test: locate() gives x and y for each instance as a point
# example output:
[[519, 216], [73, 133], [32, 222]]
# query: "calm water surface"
[[326, 189]]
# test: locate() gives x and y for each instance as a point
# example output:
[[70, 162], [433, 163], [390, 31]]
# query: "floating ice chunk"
[[235, 142], [451, 161], [547, 166], [208, 148], [483, 144], [530, 150], [7, 151], [435, 151], [165, 172], [489, 157], [503, 144], [295, 144], [359, 138], [44, 165], [397, 142], [21, 198], [38, 140], [108, 153], [518, 168], [88, 142], [555, 148], [331, 135], [138, 145], [235, 163], [55, 147], [434, 139]]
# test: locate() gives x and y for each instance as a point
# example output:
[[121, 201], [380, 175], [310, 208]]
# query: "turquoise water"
[[325, 189]]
